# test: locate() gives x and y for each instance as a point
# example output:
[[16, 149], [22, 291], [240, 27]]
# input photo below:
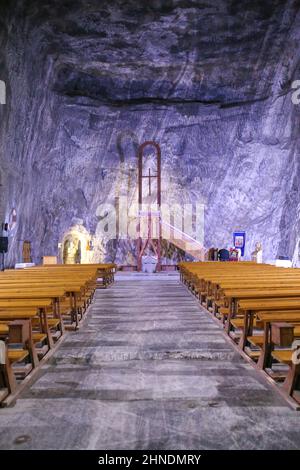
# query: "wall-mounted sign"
[[239, 241]]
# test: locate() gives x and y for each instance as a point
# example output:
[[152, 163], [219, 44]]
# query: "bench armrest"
[[282, 334]]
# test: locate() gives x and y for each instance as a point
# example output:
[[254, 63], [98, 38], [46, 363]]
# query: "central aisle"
[[149, 369]]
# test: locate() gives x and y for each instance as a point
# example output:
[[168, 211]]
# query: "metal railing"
[[183, 234]]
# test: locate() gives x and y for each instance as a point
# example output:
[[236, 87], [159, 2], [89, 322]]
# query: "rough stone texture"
[[210, 81], [149, 369]]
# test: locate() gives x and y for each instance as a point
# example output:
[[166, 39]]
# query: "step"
[[42, 351], [284, 356], [239, 323], [21, 370], [17, 355], [297, 331], [257, 340], [56, 335], [3, 329], [53, 322], [253, 354], [39, 337], [224, 311]]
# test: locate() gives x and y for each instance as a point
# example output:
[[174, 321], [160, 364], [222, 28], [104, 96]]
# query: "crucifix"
[[149, 177], [152, 217]]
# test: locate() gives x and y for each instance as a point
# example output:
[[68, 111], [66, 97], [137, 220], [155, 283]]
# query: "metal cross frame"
[[154, 243]]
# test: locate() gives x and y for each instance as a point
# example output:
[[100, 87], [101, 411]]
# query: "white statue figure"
[[256, 255]]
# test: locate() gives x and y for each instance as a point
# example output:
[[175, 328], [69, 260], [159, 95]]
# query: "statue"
[[72, 251], [234, 254], [77, 255], [256, 255]]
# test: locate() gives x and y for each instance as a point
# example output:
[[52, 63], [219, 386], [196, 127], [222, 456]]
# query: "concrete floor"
[[149, 369]]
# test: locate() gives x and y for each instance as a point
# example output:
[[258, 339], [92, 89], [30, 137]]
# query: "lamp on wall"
[[3, 250], [3, 243]]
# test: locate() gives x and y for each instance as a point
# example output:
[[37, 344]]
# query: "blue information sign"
[[239, 240]]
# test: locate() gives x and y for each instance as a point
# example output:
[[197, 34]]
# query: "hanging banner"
[[239, 241]]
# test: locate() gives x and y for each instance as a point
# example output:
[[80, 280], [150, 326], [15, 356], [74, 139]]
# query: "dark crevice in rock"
[[172, 101]]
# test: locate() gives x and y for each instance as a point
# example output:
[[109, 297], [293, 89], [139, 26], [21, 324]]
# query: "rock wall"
[[88, 81]]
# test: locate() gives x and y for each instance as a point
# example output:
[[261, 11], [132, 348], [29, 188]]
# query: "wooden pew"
[[280, 330], [37, 309], [33, 300], [251, 307], [79, 287], [234, 296], [18, 332], [8, 357], [34, 293], [104, 271], [240, 294]]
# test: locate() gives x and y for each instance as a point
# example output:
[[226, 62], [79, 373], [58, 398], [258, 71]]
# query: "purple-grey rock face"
[[88, 81]]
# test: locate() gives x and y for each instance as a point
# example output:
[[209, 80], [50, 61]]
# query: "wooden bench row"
[[37, 306], [259, 307]]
